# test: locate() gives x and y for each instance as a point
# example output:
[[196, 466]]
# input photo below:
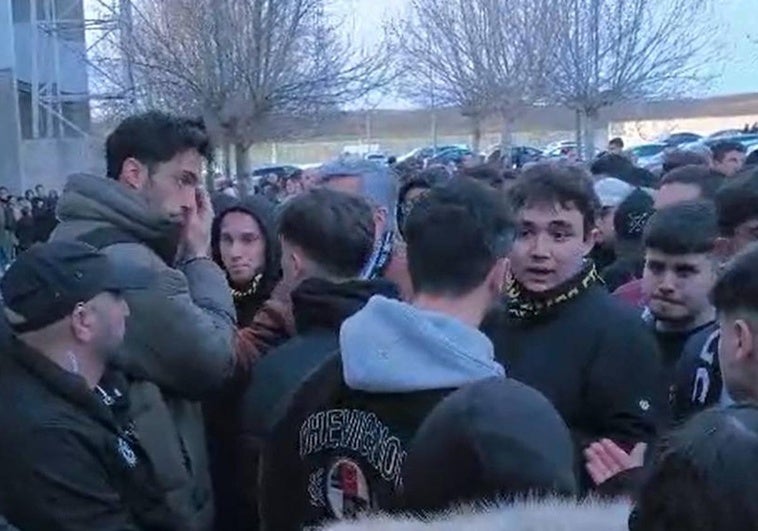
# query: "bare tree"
[[254, 69], [483, 56], [609, 51]]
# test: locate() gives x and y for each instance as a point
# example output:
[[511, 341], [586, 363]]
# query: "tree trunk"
[[476, 133], [506, 140], [242, 167], [578, 131], [227, 160], [590, 119], [435, 133]]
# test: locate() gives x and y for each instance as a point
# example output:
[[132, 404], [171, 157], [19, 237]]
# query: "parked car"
[[560, 150], [453, 154], [752, 154], [647, 154], [282, 170], [677, 139], [520, 155], [553, 146], [725, 133], [421, 154], [379, 158]]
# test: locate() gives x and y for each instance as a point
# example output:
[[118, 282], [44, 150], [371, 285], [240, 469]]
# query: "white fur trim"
[[545, 515]]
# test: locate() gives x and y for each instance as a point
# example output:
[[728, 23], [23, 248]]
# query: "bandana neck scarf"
[[525, 305], [380, 258]]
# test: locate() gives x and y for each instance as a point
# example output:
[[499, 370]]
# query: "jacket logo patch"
[[355, 431], [347, 489], [127, 454]]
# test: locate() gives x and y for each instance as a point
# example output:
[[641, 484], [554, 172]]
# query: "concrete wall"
[[50, 161], [10, 164], [10, 161]]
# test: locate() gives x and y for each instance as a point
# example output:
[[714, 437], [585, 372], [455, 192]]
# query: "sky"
[[363, 22]]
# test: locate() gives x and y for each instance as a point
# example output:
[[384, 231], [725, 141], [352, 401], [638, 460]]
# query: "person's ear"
[[380, 221], [745, 339], [298, 265], [723, 249], [590, 240], [498, 276], [133, 173], [82, 323]]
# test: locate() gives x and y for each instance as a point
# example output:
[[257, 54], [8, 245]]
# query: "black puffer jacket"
[[263, 213]]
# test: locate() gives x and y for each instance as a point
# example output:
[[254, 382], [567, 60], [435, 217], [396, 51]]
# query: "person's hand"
[[605, 459], [197, 226]]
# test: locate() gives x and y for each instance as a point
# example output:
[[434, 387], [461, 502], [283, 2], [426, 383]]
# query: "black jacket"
[[698, 383], [319, 307], [69, 460], [338, 453], [622, 271], [223, 412], [594, 359]]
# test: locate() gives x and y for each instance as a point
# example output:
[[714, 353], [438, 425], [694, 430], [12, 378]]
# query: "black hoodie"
[[222, 414], [263, 212], [319, 307]]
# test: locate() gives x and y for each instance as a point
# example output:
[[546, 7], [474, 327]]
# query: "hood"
[[319, 303], [545, 515], [102, 200], [263, 212], [393, 347]]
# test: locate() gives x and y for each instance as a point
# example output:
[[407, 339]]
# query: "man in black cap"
[[68, 451]]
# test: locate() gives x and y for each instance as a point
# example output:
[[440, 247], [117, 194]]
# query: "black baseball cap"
[[45, 283], [632, 215]]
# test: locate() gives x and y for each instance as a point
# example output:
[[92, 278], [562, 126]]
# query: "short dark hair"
[[334, 229], [676, 158], [737, 286], [618, 142], [563, 184], [683, 228], [640, 177], [154, 137], [426, 179], [720, 149], [455, 235], [708, 180], [736, 201], [486, 174], [702, 476], [612, 165]]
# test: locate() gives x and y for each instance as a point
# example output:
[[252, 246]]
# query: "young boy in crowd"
[[561, 331]]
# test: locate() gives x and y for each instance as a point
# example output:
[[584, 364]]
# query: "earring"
[[74, 362]]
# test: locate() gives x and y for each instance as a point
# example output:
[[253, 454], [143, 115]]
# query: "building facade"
[[44, 96]]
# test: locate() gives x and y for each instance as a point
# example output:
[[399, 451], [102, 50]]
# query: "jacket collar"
[[72, 388]]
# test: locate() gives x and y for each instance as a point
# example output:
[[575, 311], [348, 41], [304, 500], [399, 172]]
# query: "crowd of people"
[[565, 346], [25, 221]]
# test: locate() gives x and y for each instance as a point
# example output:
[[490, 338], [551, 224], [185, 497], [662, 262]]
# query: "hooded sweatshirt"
[[339, 449], [223, 413], [262, 211], [320, 307], [178, 344]]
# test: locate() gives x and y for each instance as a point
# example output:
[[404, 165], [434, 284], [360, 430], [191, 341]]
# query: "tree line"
[[263, 70]]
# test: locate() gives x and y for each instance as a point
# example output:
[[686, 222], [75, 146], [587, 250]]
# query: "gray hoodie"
[[392, 347]]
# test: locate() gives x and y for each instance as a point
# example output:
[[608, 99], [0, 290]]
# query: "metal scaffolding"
[[57, 25]]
